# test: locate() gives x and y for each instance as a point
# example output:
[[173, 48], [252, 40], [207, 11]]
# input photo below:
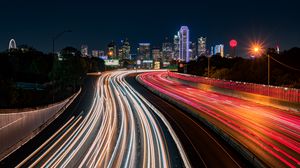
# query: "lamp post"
[[56, 37], [268, 69], [208, 65], [53, 52], [257, 51]]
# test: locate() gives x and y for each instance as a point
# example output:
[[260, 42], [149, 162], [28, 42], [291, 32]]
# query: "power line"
[[290, 67]]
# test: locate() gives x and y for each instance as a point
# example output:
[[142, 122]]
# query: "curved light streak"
[[273, 135], [119, 130]]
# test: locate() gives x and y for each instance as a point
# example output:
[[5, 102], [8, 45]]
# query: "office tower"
[[184, 41], [202, 46], [156, 54], [212, 51], [125, 49], [84, 50], [193, 51], [219, 49], [144, 51], [96, 53], [176, 46], [112, 50], [167, 50]]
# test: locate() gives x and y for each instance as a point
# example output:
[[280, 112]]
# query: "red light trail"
[[271, 134]]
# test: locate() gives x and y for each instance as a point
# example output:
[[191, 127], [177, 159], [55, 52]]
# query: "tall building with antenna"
[[184, 44]]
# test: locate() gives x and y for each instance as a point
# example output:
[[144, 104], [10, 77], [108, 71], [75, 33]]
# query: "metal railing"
[[282, 93]]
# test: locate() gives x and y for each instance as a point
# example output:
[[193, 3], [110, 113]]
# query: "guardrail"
[[18, 127], [282, 93]]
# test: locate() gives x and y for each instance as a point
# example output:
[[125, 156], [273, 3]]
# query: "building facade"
[[202, 46], [167, 50], [84, 50], [144, 51], [95, 53], [156, 54], [184, 41], [176, 47], [125, 50], [219, 49]]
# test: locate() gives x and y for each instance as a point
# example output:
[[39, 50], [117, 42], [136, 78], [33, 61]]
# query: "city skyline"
[[149, 83], [259, 25]]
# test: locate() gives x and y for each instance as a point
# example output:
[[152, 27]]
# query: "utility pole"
[[53, 52], [208, 65]]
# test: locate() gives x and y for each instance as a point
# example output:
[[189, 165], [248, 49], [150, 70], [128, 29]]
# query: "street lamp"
[[208, 65], [53, 42], [56, 37]]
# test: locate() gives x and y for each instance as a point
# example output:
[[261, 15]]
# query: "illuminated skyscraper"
[[184, 41], [144, 51], [156, 55], [125, 50], [219, 49], [84, 50], [202, 46], [167, 50], [277, 49], [176, 46], [96, 53]]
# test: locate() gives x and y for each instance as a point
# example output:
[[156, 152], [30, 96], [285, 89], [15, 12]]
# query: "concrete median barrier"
[[18, 126]]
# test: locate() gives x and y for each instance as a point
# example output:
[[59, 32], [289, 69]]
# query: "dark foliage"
[[252, 70], [59, 77]]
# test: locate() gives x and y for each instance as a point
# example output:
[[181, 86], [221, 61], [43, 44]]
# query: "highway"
[[205, 148], [79, 106], [272, 135], [118, 128]]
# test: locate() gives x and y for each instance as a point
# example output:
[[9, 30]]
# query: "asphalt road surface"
[[108, 125], [203, 147], [271, 134]]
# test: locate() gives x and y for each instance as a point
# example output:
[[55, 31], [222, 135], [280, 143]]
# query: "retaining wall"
[[17, 126]]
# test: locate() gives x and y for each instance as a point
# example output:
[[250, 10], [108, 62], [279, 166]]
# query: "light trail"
[[273, 135], [119, 130]]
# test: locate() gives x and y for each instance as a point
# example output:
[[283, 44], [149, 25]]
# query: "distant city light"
[[233, 43], [110, 53]]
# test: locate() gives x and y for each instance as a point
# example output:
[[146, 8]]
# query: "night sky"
[[95, 23]]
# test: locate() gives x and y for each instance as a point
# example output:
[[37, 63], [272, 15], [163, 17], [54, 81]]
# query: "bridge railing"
[[282, 93]]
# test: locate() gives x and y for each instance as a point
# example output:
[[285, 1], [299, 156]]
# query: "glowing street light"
[[256, 49], [110, 53]]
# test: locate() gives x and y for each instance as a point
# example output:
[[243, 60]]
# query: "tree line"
[[29, 77], [284, 68]]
